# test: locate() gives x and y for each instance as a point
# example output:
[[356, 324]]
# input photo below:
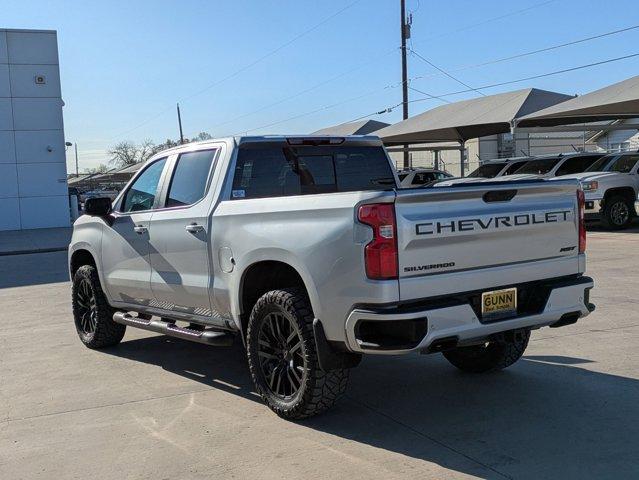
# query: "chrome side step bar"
[[208, 337]]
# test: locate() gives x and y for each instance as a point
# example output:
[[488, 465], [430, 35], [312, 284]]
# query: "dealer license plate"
[[499, 304]]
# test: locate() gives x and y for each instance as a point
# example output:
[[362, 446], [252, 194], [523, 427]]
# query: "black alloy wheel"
[[281, 355], [87, 312]]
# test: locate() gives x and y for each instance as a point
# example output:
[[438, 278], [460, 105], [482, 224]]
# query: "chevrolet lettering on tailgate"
[[460, 226]]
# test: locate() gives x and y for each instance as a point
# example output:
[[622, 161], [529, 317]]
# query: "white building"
[[33, 176]]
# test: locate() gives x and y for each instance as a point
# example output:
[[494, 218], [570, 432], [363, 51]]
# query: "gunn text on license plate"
[[499, 304]]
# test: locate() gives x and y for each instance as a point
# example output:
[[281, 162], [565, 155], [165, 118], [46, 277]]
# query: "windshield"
[[539, 167], [623, 164], [488, 170], [600, 165]]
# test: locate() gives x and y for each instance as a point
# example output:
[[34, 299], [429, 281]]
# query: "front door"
[[179, 237], [125, 243]]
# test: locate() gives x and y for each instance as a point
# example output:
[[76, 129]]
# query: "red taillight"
[[380, 255], [581, 205]]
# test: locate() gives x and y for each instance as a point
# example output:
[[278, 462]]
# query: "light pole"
[[68, 144]]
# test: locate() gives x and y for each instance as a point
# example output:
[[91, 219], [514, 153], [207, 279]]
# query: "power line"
[[429, 95], [510, 82], [305, 114], [489, 20], [390, 109], [490, 62], [444, 72], [533, 52], [245, 67], [302, 92], [548, 74]]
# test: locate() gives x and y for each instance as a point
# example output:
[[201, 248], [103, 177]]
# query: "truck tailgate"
[[469, 228]]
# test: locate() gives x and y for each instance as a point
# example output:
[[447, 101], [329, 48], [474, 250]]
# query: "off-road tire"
[[610, 214], [319, 390], [106, 332], [494, 355]]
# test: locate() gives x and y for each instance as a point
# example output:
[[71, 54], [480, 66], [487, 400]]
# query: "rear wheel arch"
[[261, 277]]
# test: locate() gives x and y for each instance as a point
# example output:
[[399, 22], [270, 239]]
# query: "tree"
[[128, 153], [202, 136], [99, 169]]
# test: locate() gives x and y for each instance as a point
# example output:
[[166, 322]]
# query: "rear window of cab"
[[280, 171]]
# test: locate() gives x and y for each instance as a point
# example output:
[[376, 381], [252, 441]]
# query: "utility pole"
[[180, 124], [405, 30], [76, 159]]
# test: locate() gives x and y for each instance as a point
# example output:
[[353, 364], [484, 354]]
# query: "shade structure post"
[[462, 156], [436, 163]]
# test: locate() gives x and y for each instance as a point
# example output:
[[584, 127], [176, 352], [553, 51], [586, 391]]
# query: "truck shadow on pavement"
[[545, 417]]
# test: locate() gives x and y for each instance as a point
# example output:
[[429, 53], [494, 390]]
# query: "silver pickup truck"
[[306, 250]]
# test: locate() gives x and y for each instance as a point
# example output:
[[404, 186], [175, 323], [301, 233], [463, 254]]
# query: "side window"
[[624, 163], [141, 194], [576, 165], [189, 181], [423, 178], [512, 167]]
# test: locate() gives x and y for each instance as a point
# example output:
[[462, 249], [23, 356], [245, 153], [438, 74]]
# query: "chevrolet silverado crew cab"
[[307, 251], [611, 185]]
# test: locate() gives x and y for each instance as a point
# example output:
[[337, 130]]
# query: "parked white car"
[[417, 177], [498, 168], [549, 166], [491, 169], [611, 185]]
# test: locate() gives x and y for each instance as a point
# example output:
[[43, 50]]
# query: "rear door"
[[180, 267], [469, 228]]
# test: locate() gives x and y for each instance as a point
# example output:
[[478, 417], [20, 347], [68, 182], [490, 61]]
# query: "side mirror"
[[98, 206]]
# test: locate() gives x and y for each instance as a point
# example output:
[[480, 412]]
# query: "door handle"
[[194, 228], [140, 229]]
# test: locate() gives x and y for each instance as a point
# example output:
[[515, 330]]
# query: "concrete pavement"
[[155, 407]]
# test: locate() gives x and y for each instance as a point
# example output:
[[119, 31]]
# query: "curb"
[[36, 250]]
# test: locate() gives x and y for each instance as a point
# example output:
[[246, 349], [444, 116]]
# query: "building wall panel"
[[37, 113], [44, 212], [24, 84], [42, 179], [7, 147], [10, 218], [32, 47], [6, 114], [34, 146], [5, 86], [4, 58], [8, 181]]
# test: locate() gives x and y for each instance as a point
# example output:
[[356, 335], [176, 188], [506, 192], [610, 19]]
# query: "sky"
[[295, 66]]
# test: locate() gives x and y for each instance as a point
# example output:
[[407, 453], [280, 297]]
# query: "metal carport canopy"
[[477, 117], [361, 127], [616, 101]]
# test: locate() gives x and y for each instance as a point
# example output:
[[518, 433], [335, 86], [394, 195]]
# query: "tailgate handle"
[[499, 196]]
